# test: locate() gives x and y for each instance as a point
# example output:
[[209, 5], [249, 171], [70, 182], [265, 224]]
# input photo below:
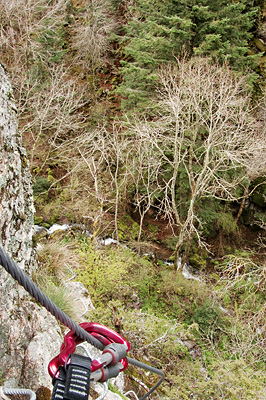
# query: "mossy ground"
[[208, 336]]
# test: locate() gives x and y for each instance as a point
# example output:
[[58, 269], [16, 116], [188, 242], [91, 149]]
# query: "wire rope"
[[19, 275]]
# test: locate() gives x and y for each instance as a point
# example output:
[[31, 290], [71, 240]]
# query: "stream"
[[186, 271]]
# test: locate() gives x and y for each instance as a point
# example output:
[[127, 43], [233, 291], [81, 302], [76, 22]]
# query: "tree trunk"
[[242, 205]]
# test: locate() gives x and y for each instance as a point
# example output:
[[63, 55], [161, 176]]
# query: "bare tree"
[[205, 138], [49, 99], [91, 37], [99, 159], [144, 171], [52, 112], [116, 159], [111, 148], [23, 22]]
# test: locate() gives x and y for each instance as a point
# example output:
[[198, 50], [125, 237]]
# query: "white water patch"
[[109, 241], [188, 275], [39, 229], [171, 263], [57, 227], [185, 271]]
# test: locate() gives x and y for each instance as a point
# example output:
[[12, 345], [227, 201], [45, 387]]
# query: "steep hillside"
[[144, 124]]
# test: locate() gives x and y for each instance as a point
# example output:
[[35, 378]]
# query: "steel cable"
[[19, 275], [20, 392]]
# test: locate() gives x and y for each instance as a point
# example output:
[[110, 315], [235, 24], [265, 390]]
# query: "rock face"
[[29, 336]]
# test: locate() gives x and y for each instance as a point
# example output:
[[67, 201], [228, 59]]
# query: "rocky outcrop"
[[29, 336]]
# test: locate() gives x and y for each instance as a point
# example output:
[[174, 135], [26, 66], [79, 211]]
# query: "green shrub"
[[209, 318], [180, 295], [232, 380], [199, 258], [226, 222], [127, 229], [104, 272]]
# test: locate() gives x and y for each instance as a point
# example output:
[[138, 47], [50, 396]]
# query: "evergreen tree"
[[158, 32], [200, 142], [154, 36], [222, 31]]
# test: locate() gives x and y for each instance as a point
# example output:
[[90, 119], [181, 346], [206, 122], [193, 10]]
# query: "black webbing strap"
[[78, 374], [73, 381], [59, 385]]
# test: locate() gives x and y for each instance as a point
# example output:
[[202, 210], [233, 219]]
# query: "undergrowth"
[[56, 264], [117, 273], [209, 338]]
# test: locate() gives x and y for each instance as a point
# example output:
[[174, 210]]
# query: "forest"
[[144, 122]]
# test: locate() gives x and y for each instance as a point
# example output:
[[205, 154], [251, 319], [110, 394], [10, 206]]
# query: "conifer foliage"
[[158, 32]]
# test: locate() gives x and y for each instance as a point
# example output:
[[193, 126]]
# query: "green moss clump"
[[127, 229], [199, 259], [38, 220]]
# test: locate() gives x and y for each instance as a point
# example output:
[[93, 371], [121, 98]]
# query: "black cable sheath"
[[19, 275], [139, 364]]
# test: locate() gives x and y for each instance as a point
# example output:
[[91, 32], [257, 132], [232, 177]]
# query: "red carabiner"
[[71, 340]]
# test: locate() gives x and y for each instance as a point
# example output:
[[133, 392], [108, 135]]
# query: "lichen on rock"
[[29, 336]]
